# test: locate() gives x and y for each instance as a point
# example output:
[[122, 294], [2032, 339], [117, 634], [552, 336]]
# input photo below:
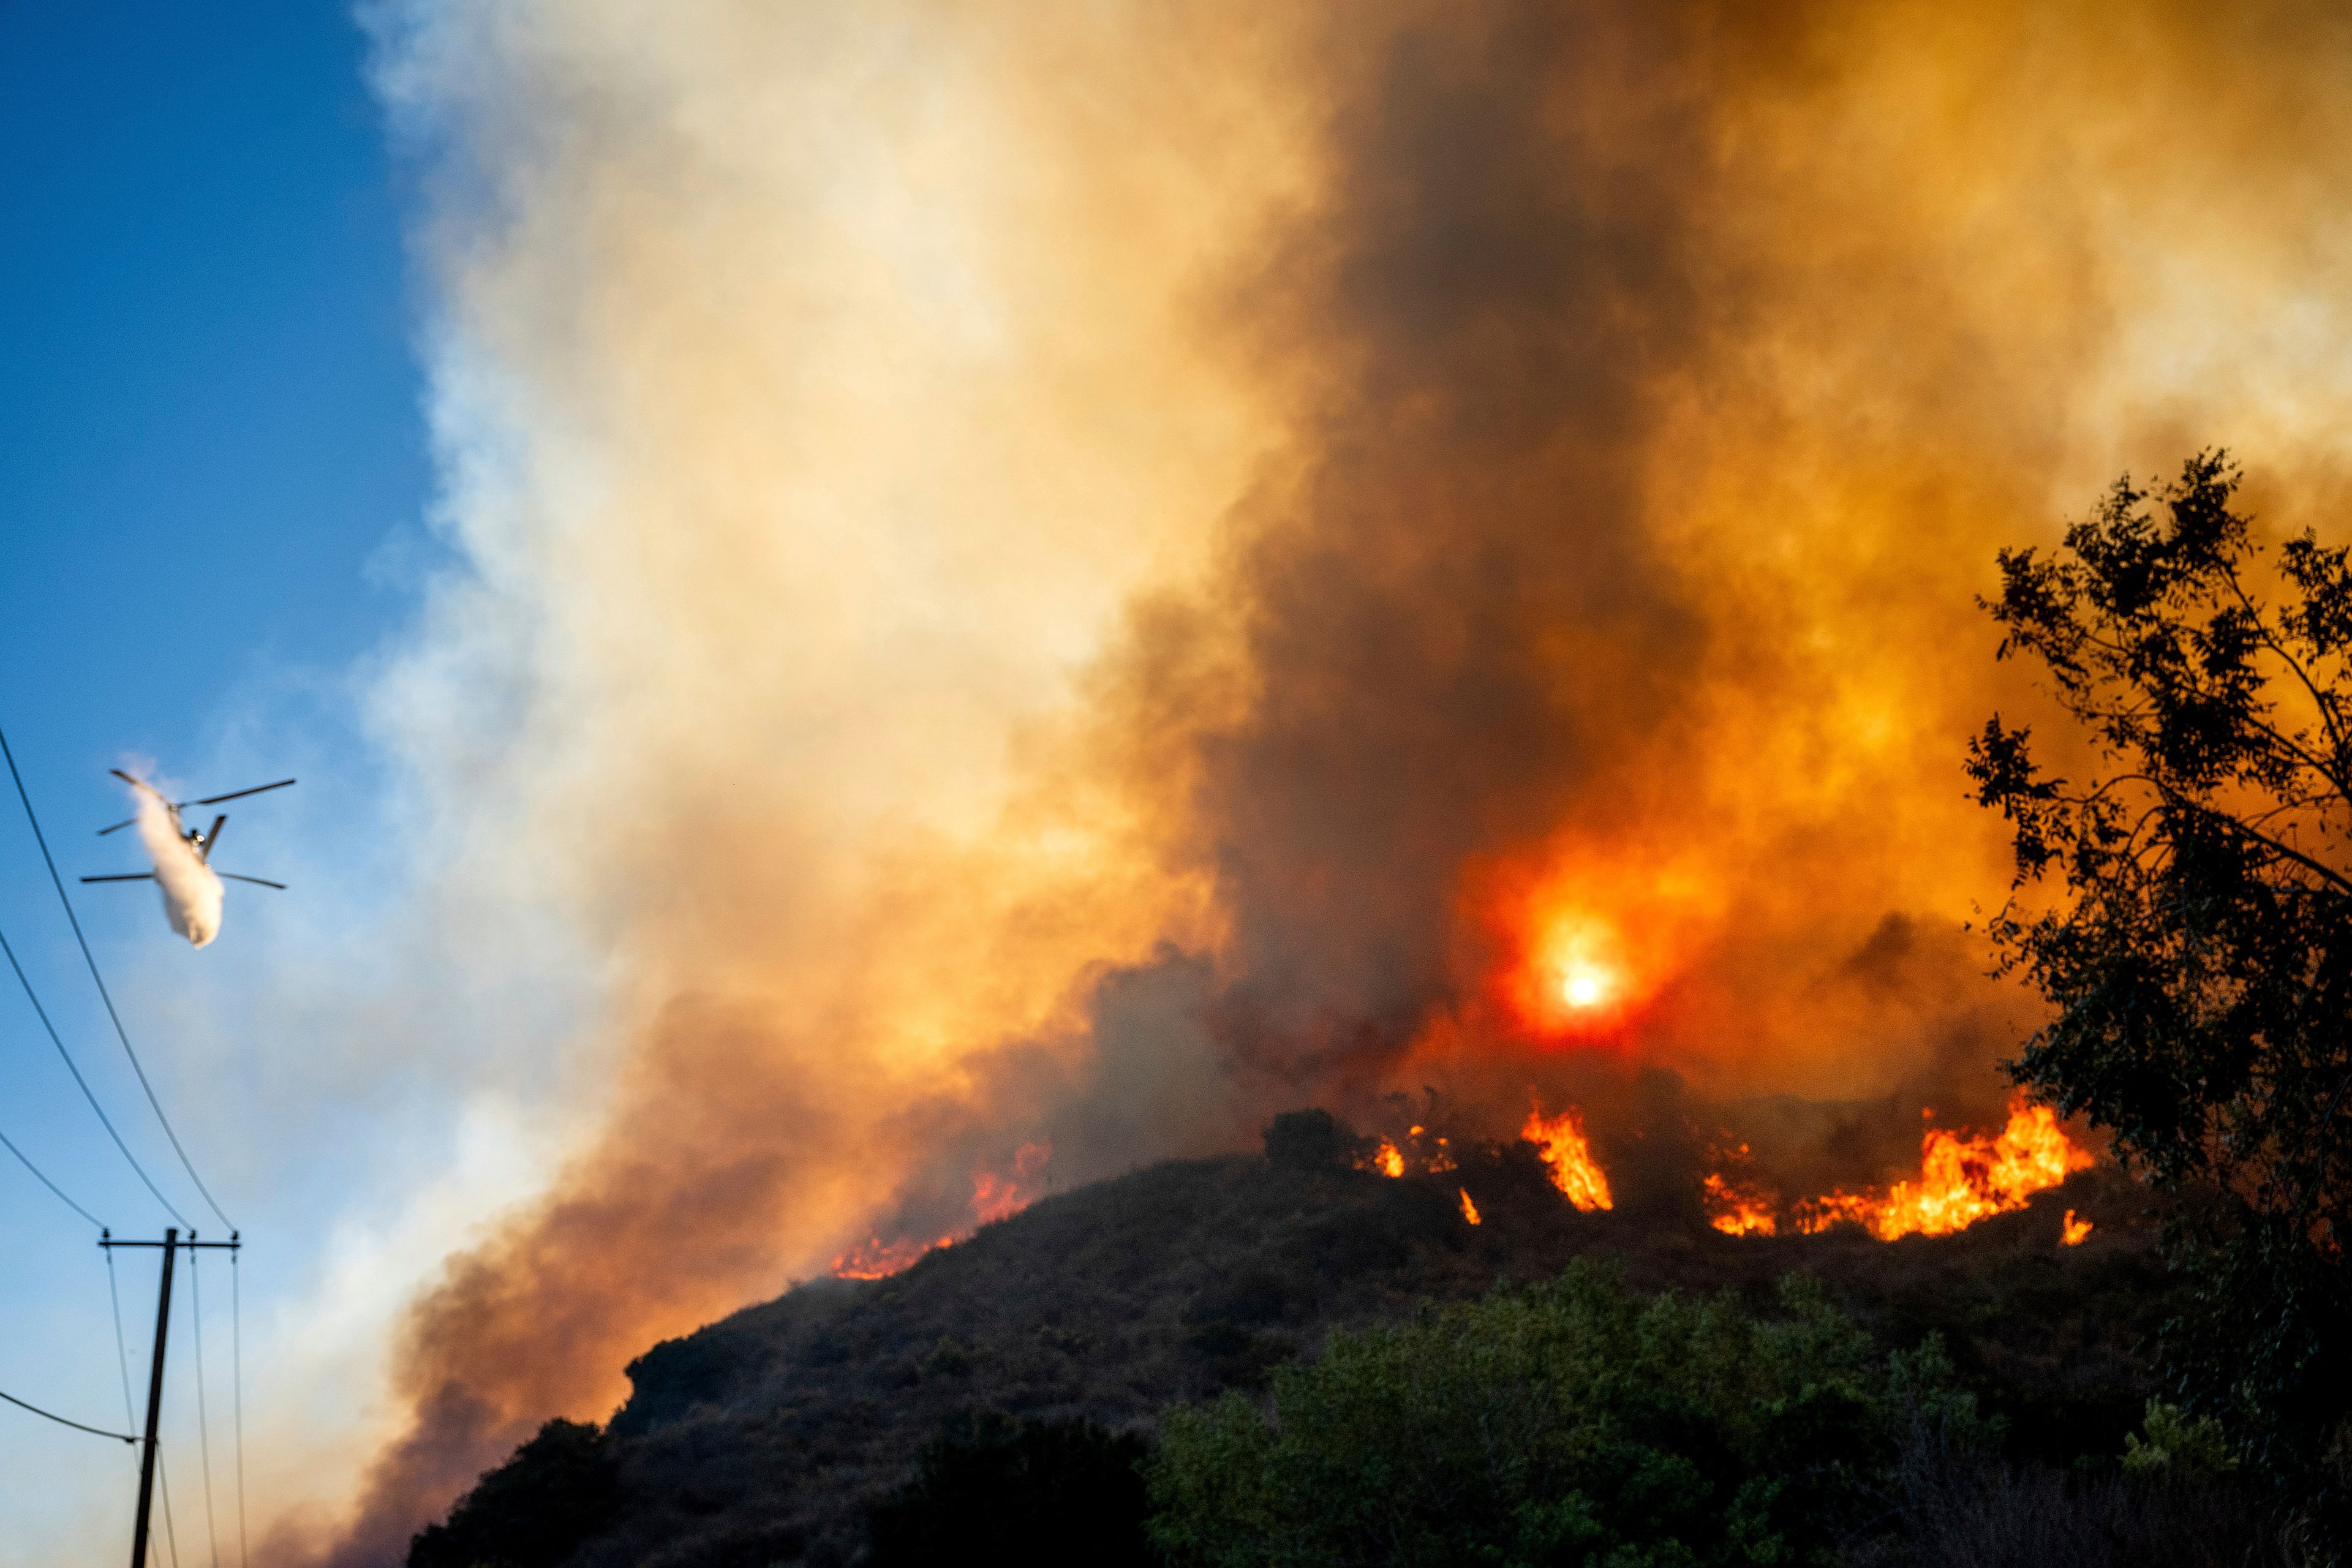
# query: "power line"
[[67, 1057], [236, 1383], [203, 1421], [52, 1416], [121, 1355], [88, 957], [163, 1480], [26, 1161]]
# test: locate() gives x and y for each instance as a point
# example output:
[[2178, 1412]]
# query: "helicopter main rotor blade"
[[127, 877], [212, 838], [257, 881], [143, 787], [236, 793]]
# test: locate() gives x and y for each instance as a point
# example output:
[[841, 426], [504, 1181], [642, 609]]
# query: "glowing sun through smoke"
[[1584, 955], [1578, 977], [1581, 942], [1584, 986]]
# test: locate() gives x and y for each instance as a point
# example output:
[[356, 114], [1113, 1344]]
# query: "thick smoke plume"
[[1076, 576]]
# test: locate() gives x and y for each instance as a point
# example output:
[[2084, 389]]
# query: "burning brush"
[[1962, 1179]]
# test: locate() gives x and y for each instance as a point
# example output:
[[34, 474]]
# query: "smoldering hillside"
[[1102, 575], [766, 1436]]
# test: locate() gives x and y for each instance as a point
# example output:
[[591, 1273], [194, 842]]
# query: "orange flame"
[[875, 1258], [2075, 1230], [1738, 1213], [1561, 1142], [995, 1197], [1961, 1180], [1469, 1209], [1387, 1161], [1816, 1214]]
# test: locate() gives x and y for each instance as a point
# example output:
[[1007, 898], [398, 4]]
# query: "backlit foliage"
[[2186, 907]]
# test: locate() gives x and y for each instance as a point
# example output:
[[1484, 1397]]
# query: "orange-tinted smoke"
[[1098, 575], [1671, 374]]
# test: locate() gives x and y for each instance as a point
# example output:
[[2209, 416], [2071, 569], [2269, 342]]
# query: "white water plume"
[[192, 892]]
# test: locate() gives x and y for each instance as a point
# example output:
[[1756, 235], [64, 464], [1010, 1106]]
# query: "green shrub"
[[2178, 1446], [1573, 1421]]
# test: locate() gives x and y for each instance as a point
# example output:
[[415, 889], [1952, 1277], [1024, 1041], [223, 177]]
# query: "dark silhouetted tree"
[[1035, 1494], [2186, 909], [1309, 1141], [558, 1490]]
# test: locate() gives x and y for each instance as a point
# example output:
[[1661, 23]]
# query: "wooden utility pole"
[[154, 1401], [170, 1244]]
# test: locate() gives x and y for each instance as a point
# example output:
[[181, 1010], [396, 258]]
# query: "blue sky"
[[214, 473]]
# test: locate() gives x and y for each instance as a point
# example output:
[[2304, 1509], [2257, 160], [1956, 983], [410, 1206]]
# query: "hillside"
[[762, 1438]]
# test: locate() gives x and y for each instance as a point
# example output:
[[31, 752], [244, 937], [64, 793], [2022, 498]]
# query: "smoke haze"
[[1077, 576]]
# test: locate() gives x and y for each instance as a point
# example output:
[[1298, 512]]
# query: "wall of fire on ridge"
[[1964, 1176]]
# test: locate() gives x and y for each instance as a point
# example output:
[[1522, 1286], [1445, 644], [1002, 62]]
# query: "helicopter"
[[183, 856]]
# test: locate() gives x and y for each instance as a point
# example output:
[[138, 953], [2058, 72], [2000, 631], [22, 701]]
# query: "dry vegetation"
[[765, 1438]]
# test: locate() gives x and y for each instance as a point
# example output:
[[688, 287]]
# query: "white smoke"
[[191, 892]]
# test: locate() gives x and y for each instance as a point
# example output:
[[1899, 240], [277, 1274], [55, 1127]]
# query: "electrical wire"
[[203, 1421], [236, 1375], [26, 1161], [52, 1416], [103, 1120], [163, 1480], [88, 957], [122, 1353]]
